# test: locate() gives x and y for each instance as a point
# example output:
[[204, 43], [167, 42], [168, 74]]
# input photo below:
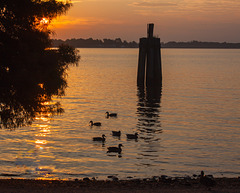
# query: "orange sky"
[[175, 20]]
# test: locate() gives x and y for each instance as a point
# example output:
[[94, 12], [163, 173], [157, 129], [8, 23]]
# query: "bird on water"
[[207, 181], [91, 123], [111, 114], [99, 138], [116, 133], [115, 149], [132, 136]]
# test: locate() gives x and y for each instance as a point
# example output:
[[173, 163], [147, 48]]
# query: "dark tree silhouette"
[[30, 72]]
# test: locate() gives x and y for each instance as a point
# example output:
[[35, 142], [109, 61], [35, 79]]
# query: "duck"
[[207, 181], [95, 124], [111, 114], [115, 149], [132, 136], [116, 133], [99, 138]]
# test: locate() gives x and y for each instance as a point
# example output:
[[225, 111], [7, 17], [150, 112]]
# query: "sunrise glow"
[[176, 20]]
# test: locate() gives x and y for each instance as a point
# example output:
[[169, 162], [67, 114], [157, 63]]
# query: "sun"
[[44, 21]]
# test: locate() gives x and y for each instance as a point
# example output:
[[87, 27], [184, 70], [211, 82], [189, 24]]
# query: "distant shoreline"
[[118, 43]]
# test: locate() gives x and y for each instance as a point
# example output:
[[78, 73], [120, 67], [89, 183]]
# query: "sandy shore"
[[223, 185]]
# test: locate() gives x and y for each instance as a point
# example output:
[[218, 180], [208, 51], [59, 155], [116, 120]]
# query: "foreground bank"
[[167, 185]]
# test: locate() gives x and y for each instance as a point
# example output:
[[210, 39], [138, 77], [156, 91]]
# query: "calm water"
[[191, 124]]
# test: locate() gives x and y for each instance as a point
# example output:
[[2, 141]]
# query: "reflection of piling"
[[148, 109], [149, 61]]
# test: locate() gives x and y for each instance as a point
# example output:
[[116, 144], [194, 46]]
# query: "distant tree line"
[[91, 43], [198, 44], [118, 43]]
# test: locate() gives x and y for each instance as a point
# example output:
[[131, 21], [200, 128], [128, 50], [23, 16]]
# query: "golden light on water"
[[45, 118], [44, 130], [42, 142]]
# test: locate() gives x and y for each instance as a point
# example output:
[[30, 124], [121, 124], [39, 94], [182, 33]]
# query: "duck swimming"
[[91, 123], [99, 138], [132, 136], [111, 114], [116, 133], [115, 149]]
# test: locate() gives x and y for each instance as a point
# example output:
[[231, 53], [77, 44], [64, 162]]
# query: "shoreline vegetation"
[[118, 43], [150, 185]]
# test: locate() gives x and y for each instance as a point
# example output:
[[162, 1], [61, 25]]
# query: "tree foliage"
[[30, 73]]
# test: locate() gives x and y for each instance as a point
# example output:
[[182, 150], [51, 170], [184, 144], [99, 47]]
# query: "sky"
[[174, 20]]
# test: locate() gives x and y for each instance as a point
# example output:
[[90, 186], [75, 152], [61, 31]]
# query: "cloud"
[[152, 4], [213, 5], [190, 5], [76, 1], [66, 21], [71, 22]]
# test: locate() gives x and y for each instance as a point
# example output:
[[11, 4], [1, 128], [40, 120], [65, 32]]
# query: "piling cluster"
[[149, 61]]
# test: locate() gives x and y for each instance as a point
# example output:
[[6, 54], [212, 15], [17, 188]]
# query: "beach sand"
[[183, 185]]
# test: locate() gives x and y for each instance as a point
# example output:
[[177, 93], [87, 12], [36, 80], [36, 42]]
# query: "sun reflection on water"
[[40, 167], [42, 142], [43, 130]]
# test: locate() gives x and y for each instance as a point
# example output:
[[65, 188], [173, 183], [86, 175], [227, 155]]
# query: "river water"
[[191, 123]]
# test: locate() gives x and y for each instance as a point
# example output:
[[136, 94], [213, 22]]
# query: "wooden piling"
[[142, 61], [149, 60], [150, 74], [157, 62], [150, 30]]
